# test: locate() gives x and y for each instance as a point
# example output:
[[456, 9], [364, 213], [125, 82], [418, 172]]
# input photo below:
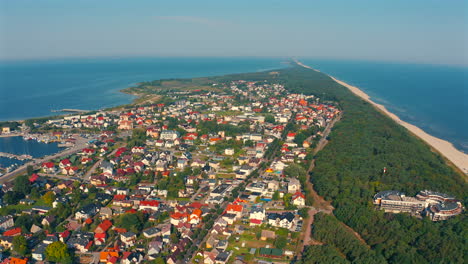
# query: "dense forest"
[[349, 171]]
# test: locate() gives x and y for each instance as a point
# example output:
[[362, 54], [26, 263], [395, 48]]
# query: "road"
[[320, 204], [79, 145], [88, 174]]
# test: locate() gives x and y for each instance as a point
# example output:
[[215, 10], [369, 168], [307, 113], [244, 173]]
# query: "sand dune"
[[445, 148]]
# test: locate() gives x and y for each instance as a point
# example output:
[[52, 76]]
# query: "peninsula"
[[280, 165]]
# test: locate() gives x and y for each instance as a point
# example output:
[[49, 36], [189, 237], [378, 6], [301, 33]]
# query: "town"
[[201, 176]]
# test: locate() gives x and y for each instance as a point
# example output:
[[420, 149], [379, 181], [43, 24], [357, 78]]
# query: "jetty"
[[70, 110], [14, 156]]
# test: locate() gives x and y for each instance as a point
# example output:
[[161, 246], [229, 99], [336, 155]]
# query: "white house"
[[298, 199], [128, 238], [169, 135], [284, 220], [229, 151], [294, 185]]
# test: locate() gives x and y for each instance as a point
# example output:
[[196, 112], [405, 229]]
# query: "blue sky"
[[426, 31]]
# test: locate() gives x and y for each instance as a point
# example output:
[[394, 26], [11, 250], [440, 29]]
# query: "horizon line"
[[84, 57]]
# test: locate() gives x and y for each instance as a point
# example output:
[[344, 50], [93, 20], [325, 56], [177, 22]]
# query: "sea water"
[[35, 88], [432, 97]]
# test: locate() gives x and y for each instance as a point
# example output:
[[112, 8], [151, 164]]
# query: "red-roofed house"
[[121, 200], [33, 178], [255, 222], [88, 151], [13, 232], [103, 227], [298, 199], [48, 167], [177, 218], [99, 239], [149, 205], [64, 236], [290, 136], [70, 170], [85, 161], [64, 163]]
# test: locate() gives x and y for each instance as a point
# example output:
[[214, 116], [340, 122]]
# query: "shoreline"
[[445, 148]]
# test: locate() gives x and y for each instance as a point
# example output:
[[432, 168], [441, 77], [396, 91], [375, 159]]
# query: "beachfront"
[[445, 148]]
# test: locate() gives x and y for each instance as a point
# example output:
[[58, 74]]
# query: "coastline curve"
[[445, 148]]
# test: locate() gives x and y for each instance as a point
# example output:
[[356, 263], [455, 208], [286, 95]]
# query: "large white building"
[[169, 135], [438, 206]]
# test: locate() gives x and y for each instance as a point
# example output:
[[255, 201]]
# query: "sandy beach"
[[445, 148]]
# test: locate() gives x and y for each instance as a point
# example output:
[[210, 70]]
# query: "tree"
[[130, 221], [281, 242], [35, 193], [49, 197], [159, 260], [24, 221], [299, 138], [303, 212], [29, 170], [287, 199], [269, 118], [249, 143], [12, 197], [22, 185], [20, 245], [276, 196], [174, 238], [58, 252], [258, 234]]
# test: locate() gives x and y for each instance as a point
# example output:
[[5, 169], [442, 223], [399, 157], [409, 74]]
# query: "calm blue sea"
[[34, 88], [432, 97]]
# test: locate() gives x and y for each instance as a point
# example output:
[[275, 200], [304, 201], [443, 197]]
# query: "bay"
[[35, 88]]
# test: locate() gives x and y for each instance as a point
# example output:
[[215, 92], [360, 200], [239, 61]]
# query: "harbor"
[[19, 149]]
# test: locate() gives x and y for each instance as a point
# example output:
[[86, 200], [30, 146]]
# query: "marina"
[[18, 150]]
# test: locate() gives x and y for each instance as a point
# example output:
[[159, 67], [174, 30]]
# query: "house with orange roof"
[[234, 209], [106, 255], [121, 200], [195, 217], [17, 261], [126, 125], [177, 218]]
